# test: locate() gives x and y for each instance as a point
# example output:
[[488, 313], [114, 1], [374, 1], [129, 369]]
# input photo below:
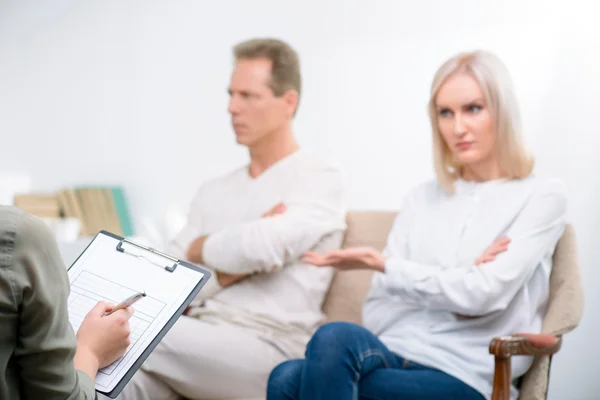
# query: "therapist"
[[40, 357]]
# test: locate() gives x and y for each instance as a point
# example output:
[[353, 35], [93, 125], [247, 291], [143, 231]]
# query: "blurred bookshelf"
[[96, 208], [77, 214]]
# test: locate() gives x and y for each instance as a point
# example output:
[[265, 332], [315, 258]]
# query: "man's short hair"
[[285, 64]]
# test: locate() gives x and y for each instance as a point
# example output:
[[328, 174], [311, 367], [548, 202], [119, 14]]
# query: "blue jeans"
[[347, 362]]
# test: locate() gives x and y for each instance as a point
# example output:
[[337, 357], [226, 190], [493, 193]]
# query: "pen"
[[127, 302]]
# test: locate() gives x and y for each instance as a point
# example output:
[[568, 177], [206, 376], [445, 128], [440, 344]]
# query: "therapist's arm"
[[46, 347], [52, 363]]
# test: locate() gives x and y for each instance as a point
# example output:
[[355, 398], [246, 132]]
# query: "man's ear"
[[291, 100]]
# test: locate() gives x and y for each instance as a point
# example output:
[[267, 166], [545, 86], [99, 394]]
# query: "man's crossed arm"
[[195, 251]]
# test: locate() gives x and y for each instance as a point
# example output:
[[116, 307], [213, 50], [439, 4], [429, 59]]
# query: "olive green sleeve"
[[47, 344]]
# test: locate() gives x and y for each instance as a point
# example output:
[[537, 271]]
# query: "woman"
[[40, 358], [468, 258]]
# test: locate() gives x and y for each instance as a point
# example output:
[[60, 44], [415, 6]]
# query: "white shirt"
[[434, 306], [284, 297]]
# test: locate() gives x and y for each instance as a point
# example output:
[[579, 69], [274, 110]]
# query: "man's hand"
[[194, 253], [499, 246], [224, 278], [278, 209], [344, 259]]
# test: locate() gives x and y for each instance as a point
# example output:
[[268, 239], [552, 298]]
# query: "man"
[[250, 227]]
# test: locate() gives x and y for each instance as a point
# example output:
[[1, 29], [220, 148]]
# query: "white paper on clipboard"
[[102, 273]]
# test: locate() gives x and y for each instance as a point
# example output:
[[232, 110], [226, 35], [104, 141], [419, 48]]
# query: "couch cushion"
[[348, 289]]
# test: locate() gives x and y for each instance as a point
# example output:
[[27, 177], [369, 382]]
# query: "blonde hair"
[[495, 83]]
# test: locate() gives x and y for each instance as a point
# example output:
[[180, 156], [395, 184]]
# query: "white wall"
[[134, 93]]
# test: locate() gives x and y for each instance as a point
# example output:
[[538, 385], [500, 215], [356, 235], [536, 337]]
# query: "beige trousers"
[[198, 360]]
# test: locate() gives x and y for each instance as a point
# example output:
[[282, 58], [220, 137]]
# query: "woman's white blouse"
[[434, 306]]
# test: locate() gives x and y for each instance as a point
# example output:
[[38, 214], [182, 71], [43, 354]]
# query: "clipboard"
[[84, 274]]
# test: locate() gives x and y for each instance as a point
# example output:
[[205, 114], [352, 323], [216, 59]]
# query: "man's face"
[[256, 113]]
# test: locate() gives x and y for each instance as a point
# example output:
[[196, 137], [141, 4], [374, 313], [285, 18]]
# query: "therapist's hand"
[[102, 339]]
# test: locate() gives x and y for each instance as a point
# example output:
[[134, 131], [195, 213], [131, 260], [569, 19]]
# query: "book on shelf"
[[97, 208], [39, 204]]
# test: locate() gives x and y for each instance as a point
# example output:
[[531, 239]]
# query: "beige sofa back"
[[349, 288]]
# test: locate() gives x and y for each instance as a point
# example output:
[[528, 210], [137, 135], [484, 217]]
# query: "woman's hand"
[[499, 246], [102, 339], [346, 259]]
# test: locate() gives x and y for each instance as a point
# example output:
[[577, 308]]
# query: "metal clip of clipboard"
[[151, 250]]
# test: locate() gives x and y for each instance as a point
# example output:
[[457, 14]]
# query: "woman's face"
[[465, 121]]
